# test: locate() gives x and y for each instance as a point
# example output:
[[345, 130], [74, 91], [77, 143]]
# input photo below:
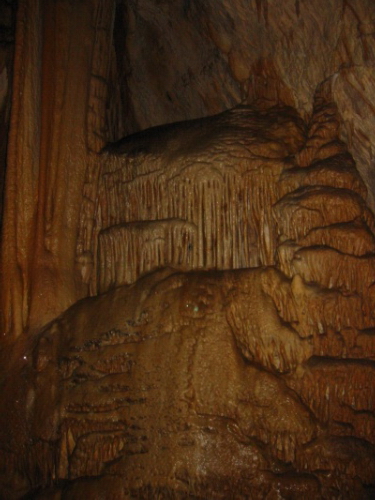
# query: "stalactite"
[[235, 319], [151, 245], [227, 197]]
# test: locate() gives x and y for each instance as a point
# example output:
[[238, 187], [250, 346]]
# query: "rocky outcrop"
[[212, 182], [224, 346], [140, 64], [213, 378]]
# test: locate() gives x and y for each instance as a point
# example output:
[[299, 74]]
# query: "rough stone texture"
[[194, 58], [91, 72], [219, 175], [218, 383], [7, 28], [230, 352]]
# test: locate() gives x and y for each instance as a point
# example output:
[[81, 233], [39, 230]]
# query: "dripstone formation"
[[228, 348]]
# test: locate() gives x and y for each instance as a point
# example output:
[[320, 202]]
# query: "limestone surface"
[[230, 351]]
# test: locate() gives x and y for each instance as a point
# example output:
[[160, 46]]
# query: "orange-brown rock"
[[200, 193], [220, 381], [189, 312]]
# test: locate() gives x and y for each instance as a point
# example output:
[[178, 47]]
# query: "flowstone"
[[230, 351]]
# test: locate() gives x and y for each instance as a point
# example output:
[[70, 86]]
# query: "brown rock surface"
[[219, 382], [224, 342]]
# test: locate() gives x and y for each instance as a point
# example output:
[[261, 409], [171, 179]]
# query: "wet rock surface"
[[221, 378]]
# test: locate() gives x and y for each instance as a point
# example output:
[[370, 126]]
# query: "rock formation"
[[242, 366], [224, 342]]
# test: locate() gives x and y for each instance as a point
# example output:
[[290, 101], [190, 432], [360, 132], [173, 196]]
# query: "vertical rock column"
[[61, 51]]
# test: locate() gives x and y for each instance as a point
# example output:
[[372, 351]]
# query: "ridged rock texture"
[[7, 28], [189, 311]]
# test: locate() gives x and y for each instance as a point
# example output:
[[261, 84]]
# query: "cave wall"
[[57, 98], [258, 346], [90, 73], [197, 58], [7, 36], [213, 377]]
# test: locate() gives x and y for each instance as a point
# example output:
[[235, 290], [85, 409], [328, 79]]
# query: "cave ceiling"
[[190, 59]]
